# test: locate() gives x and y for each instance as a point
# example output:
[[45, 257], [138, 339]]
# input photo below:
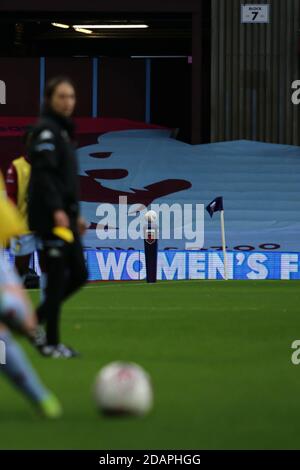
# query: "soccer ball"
[[123, 389], [151, 216]]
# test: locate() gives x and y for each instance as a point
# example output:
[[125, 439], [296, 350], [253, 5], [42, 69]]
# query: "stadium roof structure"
[[112, 5], [177, 27]]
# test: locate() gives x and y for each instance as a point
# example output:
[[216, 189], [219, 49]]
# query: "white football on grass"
[[123, 388]]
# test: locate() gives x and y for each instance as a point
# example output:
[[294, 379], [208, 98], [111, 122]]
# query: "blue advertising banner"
[[174, 265]]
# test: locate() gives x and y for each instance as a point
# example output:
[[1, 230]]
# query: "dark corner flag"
[[217, 206]]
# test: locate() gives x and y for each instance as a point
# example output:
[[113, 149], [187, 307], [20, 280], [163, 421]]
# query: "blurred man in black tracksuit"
[[54, 204]]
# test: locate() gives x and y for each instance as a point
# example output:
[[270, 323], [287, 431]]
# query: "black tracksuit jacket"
[[54, 181]]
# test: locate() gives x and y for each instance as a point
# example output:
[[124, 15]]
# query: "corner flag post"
[[224, 243], [217, 206]]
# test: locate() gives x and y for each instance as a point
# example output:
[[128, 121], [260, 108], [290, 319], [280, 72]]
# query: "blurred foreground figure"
[[24, 246], [16, 314]]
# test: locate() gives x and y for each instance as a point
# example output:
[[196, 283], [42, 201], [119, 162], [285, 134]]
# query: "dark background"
[[237, 87], [121, 88], [172, 39]]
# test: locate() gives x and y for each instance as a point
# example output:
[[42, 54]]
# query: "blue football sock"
[[20, 372]]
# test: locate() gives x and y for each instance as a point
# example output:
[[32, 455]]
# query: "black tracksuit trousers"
[[66, 272]]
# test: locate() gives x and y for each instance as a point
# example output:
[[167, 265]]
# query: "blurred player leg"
[[16, 312], [19, 372]]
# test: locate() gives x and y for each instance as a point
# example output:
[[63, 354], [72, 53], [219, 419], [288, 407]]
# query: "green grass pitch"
[[219, 354]]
